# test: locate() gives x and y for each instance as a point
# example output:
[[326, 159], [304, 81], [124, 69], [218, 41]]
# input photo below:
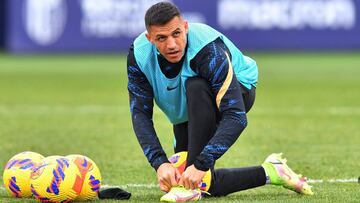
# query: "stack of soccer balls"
[[52, 179]]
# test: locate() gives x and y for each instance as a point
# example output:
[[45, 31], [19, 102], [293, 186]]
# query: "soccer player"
[[205, 86]]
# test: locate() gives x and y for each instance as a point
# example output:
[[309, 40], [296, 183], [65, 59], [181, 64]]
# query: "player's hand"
[[191, 178], [168, 176]]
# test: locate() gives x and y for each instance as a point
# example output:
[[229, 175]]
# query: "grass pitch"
[[307, 106]]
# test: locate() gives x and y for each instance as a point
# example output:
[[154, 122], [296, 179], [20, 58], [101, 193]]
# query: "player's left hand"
[[191, 178]]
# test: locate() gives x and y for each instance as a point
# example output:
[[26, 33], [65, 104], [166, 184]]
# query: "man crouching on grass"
[[205, 86]]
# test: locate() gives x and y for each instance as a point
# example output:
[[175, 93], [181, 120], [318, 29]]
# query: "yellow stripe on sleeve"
[[226, 83]]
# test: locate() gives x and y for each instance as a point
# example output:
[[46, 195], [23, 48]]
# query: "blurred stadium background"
[[63, 88]]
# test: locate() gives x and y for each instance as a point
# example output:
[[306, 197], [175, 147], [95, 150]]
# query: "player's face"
[[170, 39]]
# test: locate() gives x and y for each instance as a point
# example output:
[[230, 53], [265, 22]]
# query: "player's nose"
[[171, 43]]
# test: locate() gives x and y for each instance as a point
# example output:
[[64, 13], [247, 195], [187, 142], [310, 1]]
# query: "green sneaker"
[[280, 174], [181, 194]]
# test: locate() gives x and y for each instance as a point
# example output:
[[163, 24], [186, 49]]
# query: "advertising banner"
[[112, 25], [2, 24]]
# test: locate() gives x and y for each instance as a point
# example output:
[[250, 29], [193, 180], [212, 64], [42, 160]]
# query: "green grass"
[[307, 106]]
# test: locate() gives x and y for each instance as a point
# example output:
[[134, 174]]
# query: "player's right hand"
[[168, 176]]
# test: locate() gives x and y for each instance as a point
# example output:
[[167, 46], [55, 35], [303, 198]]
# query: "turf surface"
[[307, 106]]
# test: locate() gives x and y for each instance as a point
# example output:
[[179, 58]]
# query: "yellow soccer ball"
[[178, 160], [90, 177], [55, 180], [17, 172]]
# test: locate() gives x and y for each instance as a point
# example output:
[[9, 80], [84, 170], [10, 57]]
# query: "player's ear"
[[186, 26], [148, 37]]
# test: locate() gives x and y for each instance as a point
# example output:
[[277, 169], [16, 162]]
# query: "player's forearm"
[[141, 108], [148, 140]]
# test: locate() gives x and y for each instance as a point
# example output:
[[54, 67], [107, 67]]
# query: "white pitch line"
[[151, 185], [351, 180]]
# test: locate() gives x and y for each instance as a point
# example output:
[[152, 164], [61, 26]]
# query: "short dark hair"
[[160, 14]]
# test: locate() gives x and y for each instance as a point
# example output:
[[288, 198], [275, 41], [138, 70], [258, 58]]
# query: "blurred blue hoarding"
[[111, 25], [2, 23]]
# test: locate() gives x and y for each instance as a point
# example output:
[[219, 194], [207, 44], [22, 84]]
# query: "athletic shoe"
[[181, 194], [280, 174]]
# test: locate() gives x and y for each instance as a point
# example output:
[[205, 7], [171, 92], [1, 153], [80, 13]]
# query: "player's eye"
[[176, 34], [161, 39]]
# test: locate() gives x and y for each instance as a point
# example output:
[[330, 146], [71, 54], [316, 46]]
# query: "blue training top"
[[169, 94]]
